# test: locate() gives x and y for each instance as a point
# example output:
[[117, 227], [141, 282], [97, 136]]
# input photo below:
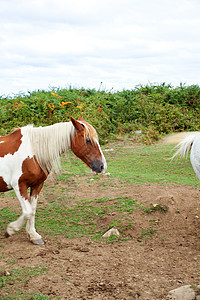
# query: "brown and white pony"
[[27, 156]]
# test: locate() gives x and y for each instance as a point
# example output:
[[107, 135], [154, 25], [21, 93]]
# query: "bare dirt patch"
[[137, 267]]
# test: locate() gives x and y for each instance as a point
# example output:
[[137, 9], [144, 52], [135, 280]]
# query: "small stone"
[[107, 150], [182, 293], [110, 232], [180, 281], [107, 174], [6, 273], [84, 250], [137, 295]]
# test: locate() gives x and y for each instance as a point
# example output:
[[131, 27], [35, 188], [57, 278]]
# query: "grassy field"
[[139, 164], [62, 213]]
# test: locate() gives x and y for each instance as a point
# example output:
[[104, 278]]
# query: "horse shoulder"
[[32, 173]]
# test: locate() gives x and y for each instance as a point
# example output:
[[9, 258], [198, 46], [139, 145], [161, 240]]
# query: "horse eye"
[[88, 141]]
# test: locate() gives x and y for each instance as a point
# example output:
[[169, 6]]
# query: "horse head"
[[85, 145]]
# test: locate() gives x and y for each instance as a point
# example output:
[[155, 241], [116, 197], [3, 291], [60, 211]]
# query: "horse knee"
[[27, 211]]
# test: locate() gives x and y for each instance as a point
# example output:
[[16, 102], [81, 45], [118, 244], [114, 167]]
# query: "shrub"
[[154, 109]]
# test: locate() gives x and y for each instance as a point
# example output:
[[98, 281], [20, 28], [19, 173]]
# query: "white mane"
[[49, 142]]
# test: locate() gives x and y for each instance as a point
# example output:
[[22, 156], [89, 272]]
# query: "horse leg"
[[22, 195], [35, 238]]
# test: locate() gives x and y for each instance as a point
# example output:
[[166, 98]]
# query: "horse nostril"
[[97, 166]]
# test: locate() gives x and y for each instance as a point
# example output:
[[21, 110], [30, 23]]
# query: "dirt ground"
[[129, 269]]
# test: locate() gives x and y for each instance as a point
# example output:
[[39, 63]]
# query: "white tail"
[[175, 138], [185, 145]]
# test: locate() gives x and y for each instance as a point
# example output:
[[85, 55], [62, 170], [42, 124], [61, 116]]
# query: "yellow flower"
[[55, 95], [16, 105], [80, 106], [64, 103], [19, 105], [51, 106]]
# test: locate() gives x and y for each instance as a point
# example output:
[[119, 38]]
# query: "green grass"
[[146, 163], [73, 166], [56, 218], [7, 215], [128, 164], [11, 286], [146, 233], [140, 164]]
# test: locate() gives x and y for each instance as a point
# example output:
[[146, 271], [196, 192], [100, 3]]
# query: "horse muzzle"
[[98, 166]]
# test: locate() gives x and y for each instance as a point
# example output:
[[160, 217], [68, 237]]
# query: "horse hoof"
[[37, 242], [7, 234]]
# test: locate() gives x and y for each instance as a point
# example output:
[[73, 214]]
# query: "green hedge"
[[154, 109]]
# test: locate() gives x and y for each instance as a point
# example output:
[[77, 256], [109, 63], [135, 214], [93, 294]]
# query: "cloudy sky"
[[106, 44]]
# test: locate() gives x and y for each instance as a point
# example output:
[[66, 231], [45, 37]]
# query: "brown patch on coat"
[[10, 144], [32, 174], [3, 185]]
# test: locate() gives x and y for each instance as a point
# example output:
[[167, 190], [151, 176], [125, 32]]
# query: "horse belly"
[[10, 171], [6, 172]]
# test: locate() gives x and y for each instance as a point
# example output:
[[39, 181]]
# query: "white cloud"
[[121, 43]]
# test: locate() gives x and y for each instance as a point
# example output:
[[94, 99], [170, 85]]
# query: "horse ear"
[[79, 126]]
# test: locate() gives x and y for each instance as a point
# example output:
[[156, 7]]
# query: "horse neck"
[[49, 142]]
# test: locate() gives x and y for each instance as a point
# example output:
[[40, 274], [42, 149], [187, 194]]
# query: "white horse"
[[187, 141]]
